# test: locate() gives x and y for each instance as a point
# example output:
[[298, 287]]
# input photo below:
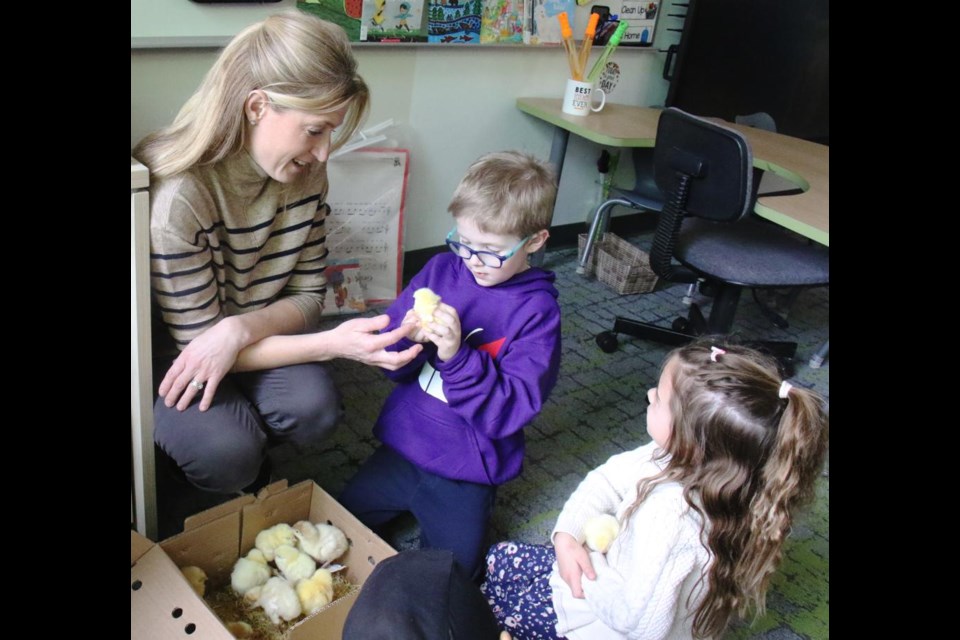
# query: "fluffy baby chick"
[[600, 531], [271, 538], [293, 563], [240, 629], [323, 542], [316, 591], [277, 598], [425, 303], [197, 578], [250, 571]]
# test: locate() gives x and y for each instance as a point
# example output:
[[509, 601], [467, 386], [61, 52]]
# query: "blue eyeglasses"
[[488, 258]]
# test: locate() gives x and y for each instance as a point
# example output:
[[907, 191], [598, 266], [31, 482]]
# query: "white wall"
[[451, 104]]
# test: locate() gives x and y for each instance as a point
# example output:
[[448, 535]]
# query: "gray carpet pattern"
[[596, 410]]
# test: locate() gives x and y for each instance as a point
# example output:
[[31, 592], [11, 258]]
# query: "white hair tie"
[[714, 352], [784, 389]]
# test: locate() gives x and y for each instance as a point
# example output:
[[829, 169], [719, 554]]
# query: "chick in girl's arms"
[[600, 531]]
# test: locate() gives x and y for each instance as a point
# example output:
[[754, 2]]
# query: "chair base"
[[784, 352]]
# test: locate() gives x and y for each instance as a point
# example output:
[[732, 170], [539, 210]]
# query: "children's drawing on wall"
[[393, 21], [346, 13], [454, 21], [346, 282], [502, 21], [546, 26]]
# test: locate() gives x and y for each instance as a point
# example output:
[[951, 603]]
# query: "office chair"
[[707, 174], [645, 196]]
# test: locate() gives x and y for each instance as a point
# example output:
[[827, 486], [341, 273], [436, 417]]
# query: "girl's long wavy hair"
[[747, 459], [298, 60]]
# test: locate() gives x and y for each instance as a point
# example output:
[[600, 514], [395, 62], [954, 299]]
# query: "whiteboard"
[[183, 23]]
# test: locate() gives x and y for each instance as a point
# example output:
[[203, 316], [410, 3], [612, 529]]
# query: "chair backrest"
[[717, 161], [705, 171]]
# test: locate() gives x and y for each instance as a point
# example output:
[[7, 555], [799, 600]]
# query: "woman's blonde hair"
[[296, 59], [747, 452]]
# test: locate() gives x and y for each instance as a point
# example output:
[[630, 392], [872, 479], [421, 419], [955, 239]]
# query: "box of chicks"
[[286, 564]]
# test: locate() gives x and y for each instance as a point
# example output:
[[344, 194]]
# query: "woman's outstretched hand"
[[358, 339]]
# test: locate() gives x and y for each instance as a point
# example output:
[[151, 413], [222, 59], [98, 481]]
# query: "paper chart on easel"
[[365, 228]]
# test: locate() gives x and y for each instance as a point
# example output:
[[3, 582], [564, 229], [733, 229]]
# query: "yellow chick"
[[240, 629], [271, 538], [293, 563], [316, 591], [425, 303], [277, 599], [323, 542], [250, 571], [197, 578], [600, 531]]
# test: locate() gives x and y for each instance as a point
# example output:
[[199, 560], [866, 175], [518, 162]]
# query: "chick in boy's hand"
[[425, 303]]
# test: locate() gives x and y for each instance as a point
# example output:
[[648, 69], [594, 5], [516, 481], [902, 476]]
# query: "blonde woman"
[[238, 190]]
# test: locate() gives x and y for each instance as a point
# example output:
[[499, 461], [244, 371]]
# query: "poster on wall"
[[393, 21], [641, 16], [365, 229]]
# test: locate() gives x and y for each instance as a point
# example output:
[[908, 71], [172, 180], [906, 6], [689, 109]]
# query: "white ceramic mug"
[[578, 98]]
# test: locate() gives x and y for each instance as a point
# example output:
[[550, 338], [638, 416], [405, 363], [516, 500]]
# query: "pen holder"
[[579, 96]]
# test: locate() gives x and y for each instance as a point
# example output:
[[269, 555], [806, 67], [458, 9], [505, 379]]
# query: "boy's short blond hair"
[[508, 193]]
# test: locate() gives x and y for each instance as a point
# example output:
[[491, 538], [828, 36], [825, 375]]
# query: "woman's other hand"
[[203, 363]]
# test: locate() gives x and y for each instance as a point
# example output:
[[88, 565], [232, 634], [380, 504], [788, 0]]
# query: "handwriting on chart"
[[361, 209], [363, 248], [346, 229]]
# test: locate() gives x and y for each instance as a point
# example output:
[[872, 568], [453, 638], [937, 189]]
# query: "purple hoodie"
[[463, 419]]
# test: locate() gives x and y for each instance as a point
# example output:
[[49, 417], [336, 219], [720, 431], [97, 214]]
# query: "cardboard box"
[[162, 604]]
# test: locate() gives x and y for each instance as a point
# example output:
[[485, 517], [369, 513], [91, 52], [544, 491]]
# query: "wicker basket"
[[624, 267]]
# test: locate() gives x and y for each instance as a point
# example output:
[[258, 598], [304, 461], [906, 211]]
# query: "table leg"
[[558, 151]]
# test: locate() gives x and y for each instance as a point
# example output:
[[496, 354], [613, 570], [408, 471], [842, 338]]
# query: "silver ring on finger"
[[196, 384]]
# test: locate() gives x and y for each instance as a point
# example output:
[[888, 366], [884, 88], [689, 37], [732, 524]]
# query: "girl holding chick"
[[704, 509]]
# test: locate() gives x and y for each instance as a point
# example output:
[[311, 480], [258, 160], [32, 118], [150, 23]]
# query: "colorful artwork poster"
[[346, 13], [345, 281], [454, 21], [641, 16], [502, 21], [546, 27], [393, 21]]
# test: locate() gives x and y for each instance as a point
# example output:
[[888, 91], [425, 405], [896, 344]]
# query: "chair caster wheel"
[[681, 325], [607, 341]]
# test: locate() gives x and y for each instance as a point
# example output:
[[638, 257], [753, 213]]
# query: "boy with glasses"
[[452, 429]]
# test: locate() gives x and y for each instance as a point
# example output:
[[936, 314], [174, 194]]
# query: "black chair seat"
[[641, 198], [751, 253]]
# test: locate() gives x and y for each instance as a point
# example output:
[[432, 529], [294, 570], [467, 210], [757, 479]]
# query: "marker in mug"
[[588, 37], [602, 60], [567, 34]]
